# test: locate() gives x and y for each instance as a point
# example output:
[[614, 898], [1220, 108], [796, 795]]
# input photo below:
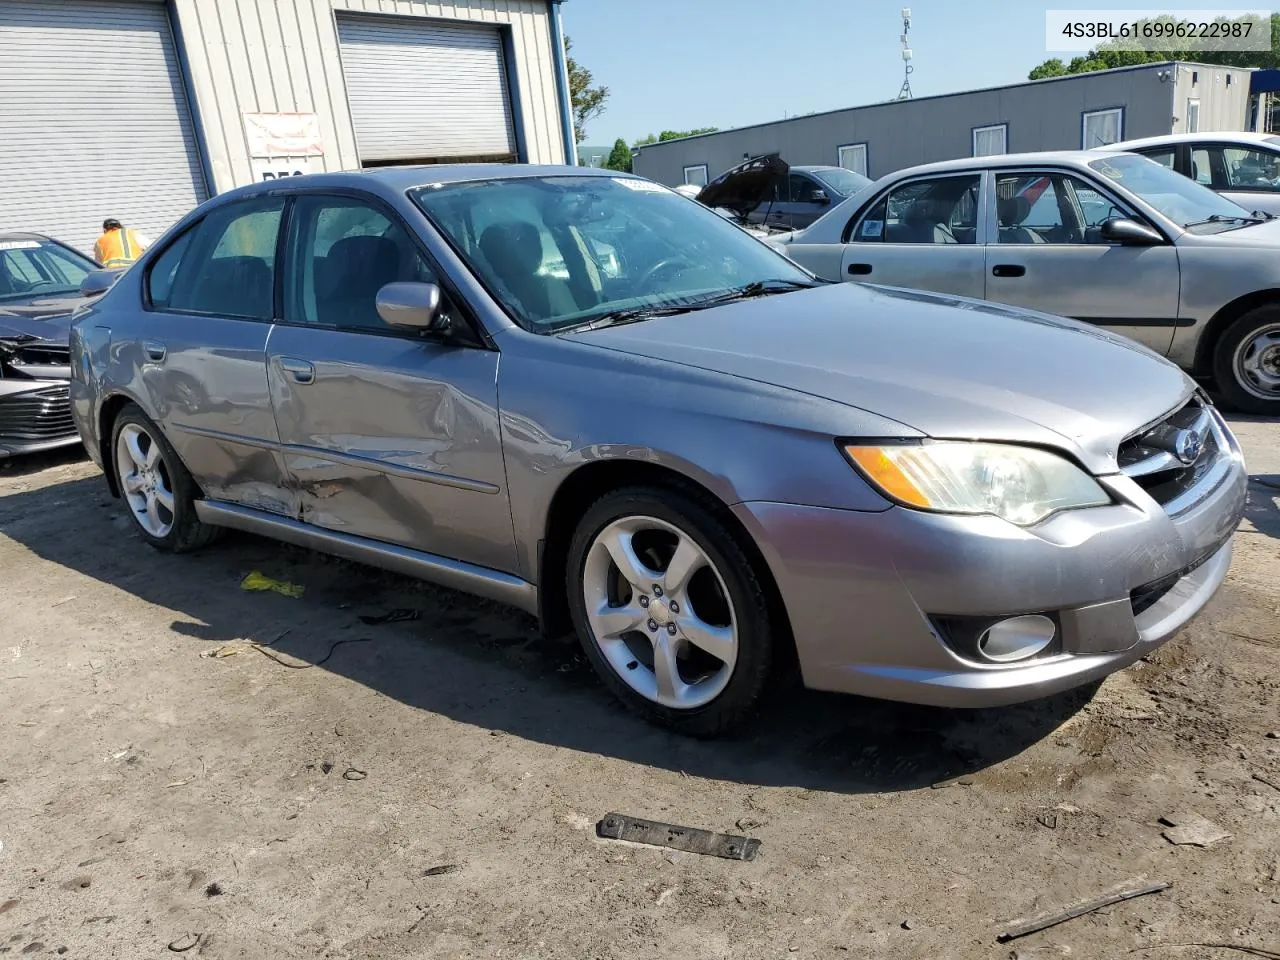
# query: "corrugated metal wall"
[[1223, 106], [293, 47], [1040, 116]]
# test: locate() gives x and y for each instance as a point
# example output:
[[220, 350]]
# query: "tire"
[[158, 492], [1246, 362], [696, 583]]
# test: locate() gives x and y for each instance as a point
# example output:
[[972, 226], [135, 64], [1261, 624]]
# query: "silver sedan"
[[1112, 239], [581, 394]]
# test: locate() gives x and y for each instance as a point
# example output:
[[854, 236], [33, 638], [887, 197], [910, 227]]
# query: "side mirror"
[[1130, 233], [412, 306], [99, 282], [818, 196]]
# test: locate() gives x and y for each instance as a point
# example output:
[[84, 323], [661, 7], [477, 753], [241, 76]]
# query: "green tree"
[[666, 135], [619, 156], [1206, 50], [588, 101]]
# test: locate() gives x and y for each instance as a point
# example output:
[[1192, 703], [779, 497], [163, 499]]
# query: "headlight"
[[1021, 484]]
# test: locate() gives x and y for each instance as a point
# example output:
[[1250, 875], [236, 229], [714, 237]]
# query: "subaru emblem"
[[1188, 446]]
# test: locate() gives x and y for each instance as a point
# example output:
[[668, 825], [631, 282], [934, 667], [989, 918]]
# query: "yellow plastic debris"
[[259, 581]]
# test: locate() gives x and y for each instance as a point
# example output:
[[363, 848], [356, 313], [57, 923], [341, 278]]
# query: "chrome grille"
[[1159, 458], [36, 416]]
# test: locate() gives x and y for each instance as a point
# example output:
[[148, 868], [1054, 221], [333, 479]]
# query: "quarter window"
[[928, 211], [225, 266], [342, 252]]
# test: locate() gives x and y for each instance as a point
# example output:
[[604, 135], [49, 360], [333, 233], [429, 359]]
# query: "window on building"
[[1193, 115], [696, 175], [853, 157], [1102, 127], [943, 210], [990, 141]]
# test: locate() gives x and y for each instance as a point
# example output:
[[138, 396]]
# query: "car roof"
[[1070, 158], [816, 168], [1218, 136], [399, 179], [24, 235]]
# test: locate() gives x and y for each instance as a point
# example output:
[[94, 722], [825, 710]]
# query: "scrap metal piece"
[[618, 826], [1089, 906]]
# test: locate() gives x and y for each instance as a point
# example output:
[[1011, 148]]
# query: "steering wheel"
[[675, 264]]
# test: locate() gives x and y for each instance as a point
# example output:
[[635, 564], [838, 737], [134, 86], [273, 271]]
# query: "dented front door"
[[395, 439]]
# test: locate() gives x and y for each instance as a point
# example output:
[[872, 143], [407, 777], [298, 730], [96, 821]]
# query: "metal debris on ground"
[[1192, 829], [1049, 820], [1274, 784], [963, 781], [183, 944], [617, 826], [399, 615], [1024, 927], [440, 870], [1237, 947], [351, 773], [257, 581]]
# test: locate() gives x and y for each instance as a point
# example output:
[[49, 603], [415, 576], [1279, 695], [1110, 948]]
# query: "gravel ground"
[[431, 789]]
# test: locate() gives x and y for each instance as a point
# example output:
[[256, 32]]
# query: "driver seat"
[[514, 250]]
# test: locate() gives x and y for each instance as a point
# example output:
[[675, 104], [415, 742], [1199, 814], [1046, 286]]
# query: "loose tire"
[[1246, 362], [670, 610], [156, 488]]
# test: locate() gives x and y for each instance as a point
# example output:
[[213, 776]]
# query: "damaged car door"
[[201, 352], [387, 433]]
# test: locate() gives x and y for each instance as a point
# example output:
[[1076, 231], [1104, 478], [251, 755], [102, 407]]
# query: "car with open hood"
[[700, 458], [768, 192], [40, 281], [1111, 239]]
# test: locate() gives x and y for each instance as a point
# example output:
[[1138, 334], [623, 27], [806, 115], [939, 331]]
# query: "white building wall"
[[281, 56], [1223, 105]]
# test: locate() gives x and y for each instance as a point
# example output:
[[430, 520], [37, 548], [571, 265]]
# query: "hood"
[[1265, 234], [746, 186], [948, 367], [45, 319]]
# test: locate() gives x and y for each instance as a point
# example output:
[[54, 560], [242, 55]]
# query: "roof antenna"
[[905, 92]]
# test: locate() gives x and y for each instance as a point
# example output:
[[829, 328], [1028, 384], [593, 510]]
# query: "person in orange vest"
[[119, 245]]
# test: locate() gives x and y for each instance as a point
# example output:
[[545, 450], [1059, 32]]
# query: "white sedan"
[[1244, 167]]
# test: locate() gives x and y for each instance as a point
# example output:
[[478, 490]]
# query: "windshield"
[[31, 269], [566, 250], [1182, 200], [844, 182]]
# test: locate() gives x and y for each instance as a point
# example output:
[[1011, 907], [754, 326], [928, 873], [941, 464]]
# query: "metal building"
[[1062, 113], [140, 109]]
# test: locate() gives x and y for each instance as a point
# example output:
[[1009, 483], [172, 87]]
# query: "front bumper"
[[866, 592], [35, 415]]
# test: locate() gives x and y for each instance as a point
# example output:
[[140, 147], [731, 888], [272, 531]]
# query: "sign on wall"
[[265, 168], [283, 135]]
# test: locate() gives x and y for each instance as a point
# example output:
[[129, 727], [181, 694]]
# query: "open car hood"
[[746, 186]]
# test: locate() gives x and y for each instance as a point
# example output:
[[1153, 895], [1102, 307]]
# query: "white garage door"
[[94, 121], [426, 91]]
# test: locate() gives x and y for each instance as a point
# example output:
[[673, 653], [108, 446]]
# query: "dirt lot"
[[150, 792]]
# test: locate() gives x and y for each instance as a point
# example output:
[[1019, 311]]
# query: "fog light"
[[1016, 638]]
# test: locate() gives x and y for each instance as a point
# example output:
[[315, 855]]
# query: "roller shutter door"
[[426, 91], [94, 121]]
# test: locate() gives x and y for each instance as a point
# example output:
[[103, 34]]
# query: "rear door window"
[[942, 210]]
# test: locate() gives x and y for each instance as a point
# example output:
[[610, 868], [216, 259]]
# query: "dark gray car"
[[768, 192], [39, 287], [689, 451]]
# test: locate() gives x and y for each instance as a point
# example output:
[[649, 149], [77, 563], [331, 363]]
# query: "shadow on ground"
[[1263, 507], [483, 664]]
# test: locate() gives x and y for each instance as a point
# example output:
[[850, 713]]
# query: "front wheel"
[[1246, 363], [670, 610]]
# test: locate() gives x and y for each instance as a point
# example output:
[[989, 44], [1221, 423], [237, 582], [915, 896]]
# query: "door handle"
[[154, 349], [859, 269], [299, 371], [1008, 270]]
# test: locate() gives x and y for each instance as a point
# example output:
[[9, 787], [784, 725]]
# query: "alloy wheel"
[[660, 612], [144, 480]]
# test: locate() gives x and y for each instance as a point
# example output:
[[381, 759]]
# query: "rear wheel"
[[154, 485], [1246, 363], [669, 610]]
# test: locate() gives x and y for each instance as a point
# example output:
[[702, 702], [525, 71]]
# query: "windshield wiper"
[[1221, 218], [760, 288]]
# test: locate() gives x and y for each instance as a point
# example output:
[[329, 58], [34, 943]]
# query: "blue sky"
[[678, 64]]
